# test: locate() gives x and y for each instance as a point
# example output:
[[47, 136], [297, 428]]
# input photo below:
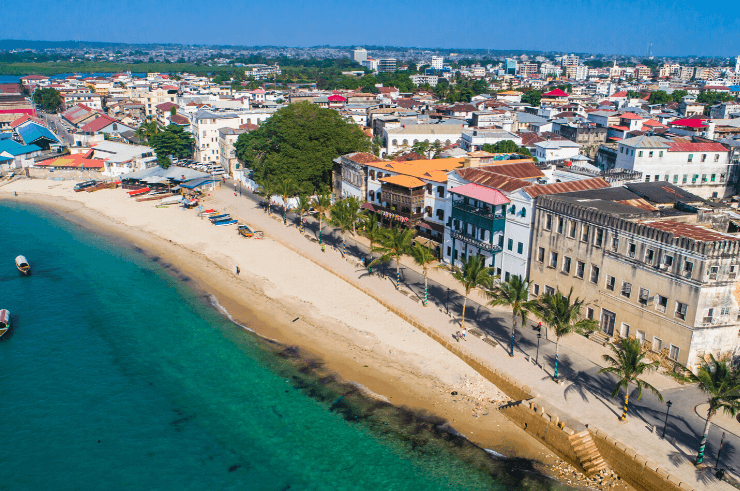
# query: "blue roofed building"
[[12, 153], [35, 134]]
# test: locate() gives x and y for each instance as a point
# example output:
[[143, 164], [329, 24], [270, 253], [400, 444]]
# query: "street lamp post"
[[537, 358], [665, 424]]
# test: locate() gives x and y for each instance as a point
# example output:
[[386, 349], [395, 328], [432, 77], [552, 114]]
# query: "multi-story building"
[[668, 283], [472, 140], [437, 62], [387, 65], [227, 151], [704, 168], [89, 99], [404, 137], [206, 127], [420, 79], [359, 55], [528, 69]]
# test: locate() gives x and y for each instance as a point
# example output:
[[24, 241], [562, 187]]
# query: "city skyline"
[[625, 28]]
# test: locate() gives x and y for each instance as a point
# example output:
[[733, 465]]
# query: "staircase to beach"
[[588, 455]]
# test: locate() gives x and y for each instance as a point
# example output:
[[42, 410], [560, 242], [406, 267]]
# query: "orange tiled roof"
[[405, 181], [431, 170]]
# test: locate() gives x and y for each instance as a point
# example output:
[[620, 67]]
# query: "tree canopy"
[[300, 141], [532, 98], [49, 99], [173, 141], [660, 97], [506, 146]]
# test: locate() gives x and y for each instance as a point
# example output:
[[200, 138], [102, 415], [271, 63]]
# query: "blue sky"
[[678, 27]]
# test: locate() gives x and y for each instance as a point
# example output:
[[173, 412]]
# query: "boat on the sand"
[[22, 264]]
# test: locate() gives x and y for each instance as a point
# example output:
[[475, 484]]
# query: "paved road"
[[54, 122], [684, 425]]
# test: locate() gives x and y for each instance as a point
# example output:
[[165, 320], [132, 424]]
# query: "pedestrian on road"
[[457, 336], [464, 332], [323, 247], [238, 270]]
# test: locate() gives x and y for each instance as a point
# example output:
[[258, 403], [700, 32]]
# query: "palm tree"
[[514, 294], [266, 190], [304, 204], [473, 274], [721, 383], [373, 231], [342, 217], [629, 365], [286, 188], [564, 315], [423, 255], [394, 243], [321, 203]]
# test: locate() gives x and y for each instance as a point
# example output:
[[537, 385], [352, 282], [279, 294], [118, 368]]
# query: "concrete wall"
[[58, 174], [639, 471]]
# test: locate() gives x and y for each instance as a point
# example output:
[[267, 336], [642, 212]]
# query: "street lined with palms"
[[585, 389]]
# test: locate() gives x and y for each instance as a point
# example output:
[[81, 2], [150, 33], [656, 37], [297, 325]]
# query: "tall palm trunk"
[[344, 244], [465, 302], [513, 328], [300, 218], [626, 403], [426, 288], [320, 229], [398, 271], [285, 213], [703, 444], [557, 349]]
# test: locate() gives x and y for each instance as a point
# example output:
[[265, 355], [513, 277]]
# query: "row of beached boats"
[[25, 268], [95, 185]]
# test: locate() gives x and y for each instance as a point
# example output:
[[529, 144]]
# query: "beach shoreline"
[[252, 302]]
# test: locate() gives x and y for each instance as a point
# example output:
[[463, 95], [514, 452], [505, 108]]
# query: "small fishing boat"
[[139, 192], [230, 221], [171, 200], [245, 231], [222, 216], [22, 264], [103, 185], [84, 185], [4, 322]]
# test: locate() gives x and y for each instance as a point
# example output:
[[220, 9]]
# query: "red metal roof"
[[555, 93], [695, 232], [567, 187], [98, 123], [481, 193], [78, 161], [336, 98], [686, 146], [690, 122], [486, 178], [630, 116]]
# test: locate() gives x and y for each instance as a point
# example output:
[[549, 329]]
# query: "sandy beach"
[[285, 297]]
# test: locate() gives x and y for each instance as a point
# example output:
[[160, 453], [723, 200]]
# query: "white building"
[[472, 140], [206, 125], [420, 79], [556, 149], [437, 62], [404, 138], [121, 158], [359, 54], [703, 168], [89, 99]]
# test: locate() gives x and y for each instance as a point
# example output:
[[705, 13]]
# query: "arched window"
[[447, 142], [115, 127], [416, 141], [405, 142], [395, 142], [512, 210], [524, 212]]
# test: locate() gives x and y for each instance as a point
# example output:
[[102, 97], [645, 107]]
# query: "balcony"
[[399, 211], [480, 217], [470, 239]]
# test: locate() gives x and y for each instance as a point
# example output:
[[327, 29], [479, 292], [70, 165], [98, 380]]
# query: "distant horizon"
[[349, 47], [680, 28]]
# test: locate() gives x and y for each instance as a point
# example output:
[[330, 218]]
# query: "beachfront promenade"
[[584, 395]]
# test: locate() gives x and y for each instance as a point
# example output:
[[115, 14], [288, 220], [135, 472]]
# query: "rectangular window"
[[561, 224], [594, 274], [626, 289], [649, 256], [519, 248], [641, 337], [675, 178], [548, 222], [691, 157], [644, 296], [510, 244], [660, 154], [584, 233], [661, 303], [507, 276], [685, 179], [703, 178], [709, 317], [625, 330], [650, 154], [535, 289], [615, 243], [703, 157], [541, 255], [647, 178], [733, 271], [566, 265], [657, 178], [580, 268], [553, 259], [572, 229], [688, 269], [667, 261], [599, 238], [657, 344], [694, 178], [716, 157], [712, 177], [673, 352], [639, 153], [681, 309], [666, 178], [589, 313], [713, 272], [610, 282], [632, 249], [549, 290], [725, 311]]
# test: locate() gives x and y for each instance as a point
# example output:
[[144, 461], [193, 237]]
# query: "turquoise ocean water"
[[116, 375]]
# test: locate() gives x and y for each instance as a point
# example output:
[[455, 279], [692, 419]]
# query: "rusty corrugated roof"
[[680, 229], [567, 187], [638, 203]]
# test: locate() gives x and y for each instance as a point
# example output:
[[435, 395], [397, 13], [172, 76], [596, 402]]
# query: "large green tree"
[[50, 100], [532, 98], [659, 97], [300, 141], [173, 141]]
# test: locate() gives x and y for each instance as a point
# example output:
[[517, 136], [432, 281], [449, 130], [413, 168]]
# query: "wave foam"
[[215, 304]]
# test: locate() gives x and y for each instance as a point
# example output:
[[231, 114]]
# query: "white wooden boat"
[[22, 264], [4, 322]]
